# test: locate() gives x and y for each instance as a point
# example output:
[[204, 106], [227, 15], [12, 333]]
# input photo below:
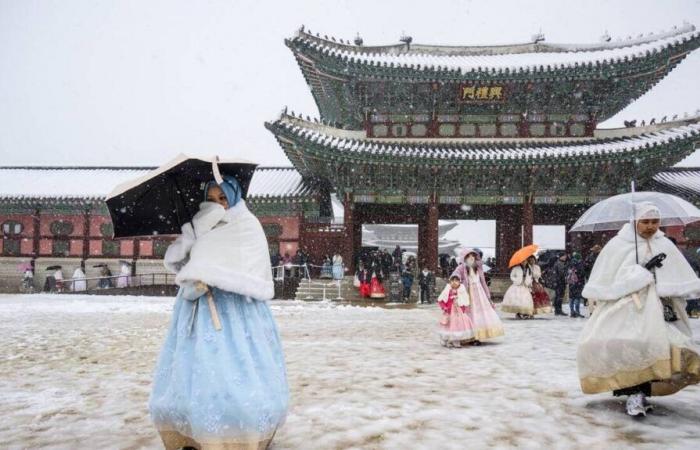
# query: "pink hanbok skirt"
[[456, 327], [486, 322]]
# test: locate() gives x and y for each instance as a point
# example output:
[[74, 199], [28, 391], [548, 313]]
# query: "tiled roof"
[[94, 183], [530, 56], [90, 183], [352, 144], [682, 181], [271, 182]]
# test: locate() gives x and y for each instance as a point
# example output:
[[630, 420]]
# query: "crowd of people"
[[301, 265], [378, 268], [220, 380]]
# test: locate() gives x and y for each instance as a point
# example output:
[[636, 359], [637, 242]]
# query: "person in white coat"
[[79, 284], [518, 297], [638, 341], [124, 274]]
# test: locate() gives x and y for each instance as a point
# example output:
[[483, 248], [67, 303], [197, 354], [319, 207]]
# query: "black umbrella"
[[167, 198], [100, 265], [54, 268]]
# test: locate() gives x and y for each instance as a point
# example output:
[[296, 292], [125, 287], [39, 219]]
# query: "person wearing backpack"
[[560, 270], [575, 280]]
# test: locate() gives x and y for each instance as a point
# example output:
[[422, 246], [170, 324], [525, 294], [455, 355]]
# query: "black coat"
[[560, 270]]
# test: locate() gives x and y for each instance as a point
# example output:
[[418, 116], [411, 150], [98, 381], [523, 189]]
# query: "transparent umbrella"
[[612, 213]]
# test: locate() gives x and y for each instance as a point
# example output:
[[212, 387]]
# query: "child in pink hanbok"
[[455, 327], [484, 318]]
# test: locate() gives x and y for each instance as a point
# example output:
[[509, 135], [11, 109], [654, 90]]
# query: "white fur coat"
[[223, 248], [616, 273], [462, 295]]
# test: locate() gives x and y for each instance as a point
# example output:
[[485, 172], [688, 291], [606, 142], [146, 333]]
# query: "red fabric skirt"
[[364, 289], [540, 299], [376, 290]]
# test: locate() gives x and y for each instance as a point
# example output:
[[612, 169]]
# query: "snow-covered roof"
[[269, 182], [94, 183], [495, 58], [683, 181], [352, 144], [63, 182]]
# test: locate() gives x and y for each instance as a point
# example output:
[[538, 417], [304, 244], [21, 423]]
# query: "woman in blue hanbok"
[[327, 267], [338, 269], [220, 382]]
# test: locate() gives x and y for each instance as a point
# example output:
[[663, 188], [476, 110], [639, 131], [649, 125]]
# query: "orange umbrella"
[[522, 254]]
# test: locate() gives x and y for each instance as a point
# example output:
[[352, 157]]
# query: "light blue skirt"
[[220, 387], [338, 271]]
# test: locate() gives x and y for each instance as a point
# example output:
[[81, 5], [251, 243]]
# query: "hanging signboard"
[[475, 93]]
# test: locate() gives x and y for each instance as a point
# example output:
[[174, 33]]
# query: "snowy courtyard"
[[76, 373]]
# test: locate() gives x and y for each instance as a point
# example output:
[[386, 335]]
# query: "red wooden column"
[[528, 220], [508, 235], [357, 243], [36, 235], [350, 232], [430, 249], [86, 234]]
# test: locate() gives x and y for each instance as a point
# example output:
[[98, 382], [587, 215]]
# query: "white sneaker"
[[635, 405]]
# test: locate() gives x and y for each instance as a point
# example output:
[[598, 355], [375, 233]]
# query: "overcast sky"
[[133, 82]]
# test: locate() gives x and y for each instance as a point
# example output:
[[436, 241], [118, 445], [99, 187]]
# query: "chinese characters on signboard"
[[476, 93]]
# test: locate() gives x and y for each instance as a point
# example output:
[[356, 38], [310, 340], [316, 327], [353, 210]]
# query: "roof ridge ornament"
[[538, 37], [358, 40], [406, 39]]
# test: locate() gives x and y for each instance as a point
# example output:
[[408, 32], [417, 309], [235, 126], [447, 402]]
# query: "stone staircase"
[[324, 289], [346, 292]]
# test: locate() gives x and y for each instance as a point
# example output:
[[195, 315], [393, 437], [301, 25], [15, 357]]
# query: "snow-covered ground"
[[75, 372]]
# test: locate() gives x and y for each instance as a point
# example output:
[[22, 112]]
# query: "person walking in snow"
[[575, 282], [540, 299], [220, 381], [518, 298], [638, 341], [426, 282], [487, 324], [456, 328], [338, 269], [560, 271]]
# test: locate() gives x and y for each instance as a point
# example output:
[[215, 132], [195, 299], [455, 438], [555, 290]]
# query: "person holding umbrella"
[[518, 298], [638, 341], [482, 313], [220, 381]]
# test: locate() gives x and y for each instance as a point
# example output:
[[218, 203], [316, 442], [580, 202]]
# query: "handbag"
[[669, 313]]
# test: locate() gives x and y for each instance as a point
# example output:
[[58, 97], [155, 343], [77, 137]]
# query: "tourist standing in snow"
[[327, 267], [638, 341], [540, 299], [407, 281], [376, 288], [338, 267], [58, 276], [470, 271], [124, 275], [363, 277], [518, 298], [456, 327], [220, 381], [575, 281], [28, 280], [560, 270], [79, 283], [426, 282]]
